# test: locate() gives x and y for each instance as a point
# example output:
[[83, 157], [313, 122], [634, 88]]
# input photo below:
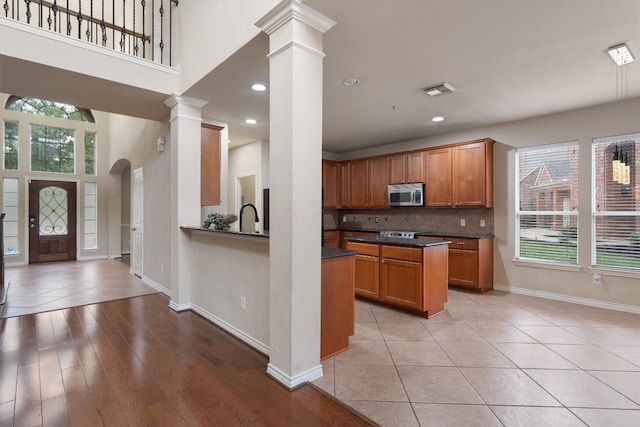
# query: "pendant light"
[[615, 165], [625, 170]]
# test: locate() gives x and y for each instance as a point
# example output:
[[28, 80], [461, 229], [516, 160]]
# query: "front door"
[[52, 221]]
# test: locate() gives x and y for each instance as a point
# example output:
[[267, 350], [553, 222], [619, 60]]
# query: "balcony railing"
[[141, 28]]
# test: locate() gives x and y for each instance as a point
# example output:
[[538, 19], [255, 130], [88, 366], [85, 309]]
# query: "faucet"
[[240, 214]]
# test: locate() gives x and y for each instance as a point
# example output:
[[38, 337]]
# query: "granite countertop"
[[328, 253], [260, 234], [397, 241]]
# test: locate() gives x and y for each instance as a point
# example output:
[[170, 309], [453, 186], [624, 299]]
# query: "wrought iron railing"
[[142, 28]]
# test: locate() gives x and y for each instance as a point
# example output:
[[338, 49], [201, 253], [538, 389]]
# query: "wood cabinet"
[[460, 175], [337, 308], [330, 184], [368, 180], [331, 239], [438, 181], [367, 267], [472, 174], [406, 168], [406, 277], [401, 276], [346, 234], [210, 165], [470, 263]]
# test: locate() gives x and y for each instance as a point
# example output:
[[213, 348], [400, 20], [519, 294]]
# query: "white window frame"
[[90, 190], [517, 260], [594, 268]]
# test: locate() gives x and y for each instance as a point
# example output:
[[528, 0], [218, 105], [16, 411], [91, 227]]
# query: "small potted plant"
[[219, 221]]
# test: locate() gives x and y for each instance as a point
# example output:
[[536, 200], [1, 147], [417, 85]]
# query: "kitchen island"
[[237, 267], [411, 274]]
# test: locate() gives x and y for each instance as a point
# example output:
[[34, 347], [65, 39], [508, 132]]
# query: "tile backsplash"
[[440, 220]]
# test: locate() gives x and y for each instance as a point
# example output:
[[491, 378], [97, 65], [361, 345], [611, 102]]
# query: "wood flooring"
[[135, 362]]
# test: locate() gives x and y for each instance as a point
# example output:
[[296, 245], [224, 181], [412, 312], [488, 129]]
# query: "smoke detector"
[[439, 89]]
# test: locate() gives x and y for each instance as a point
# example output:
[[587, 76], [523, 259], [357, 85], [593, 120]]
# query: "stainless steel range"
[[402, 234]]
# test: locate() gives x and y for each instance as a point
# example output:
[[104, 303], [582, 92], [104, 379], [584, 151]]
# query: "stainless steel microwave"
[[406, 194]]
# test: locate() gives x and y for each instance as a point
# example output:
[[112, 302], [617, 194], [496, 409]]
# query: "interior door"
[[137, 224], [52, 221]]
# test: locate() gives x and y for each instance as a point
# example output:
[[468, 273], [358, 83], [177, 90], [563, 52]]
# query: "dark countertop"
[[264, 235], [328, 253], [397, 241], [421, 233]]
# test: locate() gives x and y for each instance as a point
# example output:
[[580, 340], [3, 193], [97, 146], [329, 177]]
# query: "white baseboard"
[[292, 382], [568, 298], [241, 335], [15, 264], [157, 286], [178, 307], [92, 258]]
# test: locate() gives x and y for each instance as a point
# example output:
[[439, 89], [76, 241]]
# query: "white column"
[[184, 149], [295, 37]]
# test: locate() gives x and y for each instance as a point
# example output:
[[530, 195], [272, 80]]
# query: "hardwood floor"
[[136, 362]]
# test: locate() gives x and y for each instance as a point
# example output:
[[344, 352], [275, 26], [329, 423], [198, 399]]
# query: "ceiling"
[[508, 59]]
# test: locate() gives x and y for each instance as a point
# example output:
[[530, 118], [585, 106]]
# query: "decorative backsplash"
[[439, 220]]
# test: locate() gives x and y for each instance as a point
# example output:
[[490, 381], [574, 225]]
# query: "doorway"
[[52, 221], [137, 223], [246, 193]]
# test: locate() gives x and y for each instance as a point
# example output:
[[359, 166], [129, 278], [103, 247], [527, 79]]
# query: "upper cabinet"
[[460, 176], [330, 183], [406, 168], [472, 174], [368, 180], [210, 165]]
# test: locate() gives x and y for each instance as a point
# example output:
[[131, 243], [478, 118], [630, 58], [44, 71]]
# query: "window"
[[43, 107], [52, 149], [616, 208], [90, 153], [547, 210], [10, 208], [90, 215], [10, 145]]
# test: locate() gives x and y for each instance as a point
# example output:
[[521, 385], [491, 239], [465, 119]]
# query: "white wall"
[[245, 160], [578, 125], [135, 140], [208, 32]]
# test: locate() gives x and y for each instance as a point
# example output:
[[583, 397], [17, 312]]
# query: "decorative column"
[[295, 37], [184, 149]]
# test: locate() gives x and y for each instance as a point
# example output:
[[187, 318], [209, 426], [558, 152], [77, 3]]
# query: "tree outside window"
[[10, 145], [52, 149]]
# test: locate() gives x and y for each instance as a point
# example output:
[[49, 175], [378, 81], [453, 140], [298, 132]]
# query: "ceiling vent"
[[440, 89]]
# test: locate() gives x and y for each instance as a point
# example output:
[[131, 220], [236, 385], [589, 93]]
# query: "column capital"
[[185, 107], [288, 10]]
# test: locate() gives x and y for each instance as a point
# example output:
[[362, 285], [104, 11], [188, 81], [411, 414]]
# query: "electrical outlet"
[[462, 223], [482, 223], [596, 279], [243, 304]]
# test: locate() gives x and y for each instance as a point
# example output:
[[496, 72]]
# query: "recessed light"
[[621, 54], [437, 119], [251, 121], [259, 87], [351, 82]]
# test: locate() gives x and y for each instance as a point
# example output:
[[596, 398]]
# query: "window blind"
[[547, 197]]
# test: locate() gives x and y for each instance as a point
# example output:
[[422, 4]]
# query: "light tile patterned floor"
[[37, 288], [496, 359]]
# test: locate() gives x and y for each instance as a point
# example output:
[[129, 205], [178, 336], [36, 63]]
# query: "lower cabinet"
[[471, 263], [411, 278], [337, 312]]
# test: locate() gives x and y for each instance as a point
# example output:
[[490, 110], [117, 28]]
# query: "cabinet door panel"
[[415, 167], [210, 165], [463, 267], [469, 164], [402, 283], [330, 175], [367, 276], [378, 182], [397, 169], [359, 176], [438, 182]]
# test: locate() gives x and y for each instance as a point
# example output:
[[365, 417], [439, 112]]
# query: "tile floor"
[[496, 359], [51, 286]]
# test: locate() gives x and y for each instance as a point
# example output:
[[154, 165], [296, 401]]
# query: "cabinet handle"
[[461, 243]]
